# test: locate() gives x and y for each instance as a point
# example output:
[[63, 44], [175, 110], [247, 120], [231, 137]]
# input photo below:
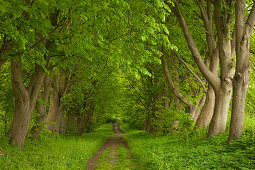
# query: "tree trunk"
[[62, 123], [205, 117], [241, 78], [199, 107], [54, 115], [219, 119], [21, 121], [174, 126], [70, 121], [81, 124], [41, 109], [25, 100], [240, 88], [36, 130]]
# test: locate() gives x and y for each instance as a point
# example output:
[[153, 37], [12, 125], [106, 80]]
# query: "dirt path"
[[110, 153]]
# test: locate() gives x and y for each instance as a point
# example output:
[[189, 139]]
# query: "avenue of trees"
[[160, 65]]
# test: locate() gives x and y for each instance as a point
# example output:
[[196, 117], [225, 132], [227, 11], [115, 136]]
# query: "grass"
[[61, 152], [180, 151]]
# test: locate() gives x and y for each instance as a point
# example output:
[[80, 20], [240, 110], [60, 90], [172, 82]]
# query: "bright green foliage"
[[62, 152], [109, 52], [182, 151]]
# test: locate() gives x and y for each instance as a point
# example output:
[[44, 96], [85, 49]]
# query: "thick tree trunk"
[[25, 100], [241, 78], [205, 117], [219, 119], [21, 121], [240, 88], [54, 116], [60, 87]]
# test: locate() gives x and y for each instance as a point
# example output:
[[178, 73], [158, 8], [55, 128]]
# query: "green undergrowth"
[[118, 159], [60, 152], [186, 151]]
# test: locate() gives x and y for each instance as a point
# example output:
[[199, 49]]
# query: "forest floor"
[[113, 154]]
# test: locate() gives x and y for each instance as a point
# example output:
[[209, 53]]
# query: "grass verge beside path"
[[62, 152], [179, 151]]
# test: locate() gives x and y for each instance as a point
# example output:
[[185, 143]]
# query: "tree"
[[243, 32], [222, 85]]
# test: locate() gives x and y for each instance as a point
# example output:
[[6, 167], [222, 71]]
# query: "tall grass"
[[185, 151], [61, 152]]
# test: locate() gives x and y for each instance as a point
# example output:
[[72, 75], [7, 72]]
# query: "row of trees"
[[83, 60], [218, 38]]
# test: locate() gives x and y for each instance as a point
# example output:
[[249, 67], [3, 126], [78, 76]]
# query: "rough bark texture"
[[241, 78], [25, 100]]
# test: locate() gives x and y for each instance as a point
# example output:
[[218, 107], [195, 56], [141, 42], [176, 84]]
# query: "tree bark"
[[199, 107], [219, 119], [205, 117], [54, 116], [212, 60], [241, 78], [41, 108], [25, 100], [223, 85], [82, 121], [175, 89]]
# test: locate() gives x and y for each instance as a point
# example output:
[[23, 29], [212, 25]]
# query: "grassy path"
[[114, 154]]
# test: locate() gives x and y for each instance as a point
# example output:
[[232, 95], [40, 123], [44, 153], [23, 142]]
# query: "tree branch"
[[192, 72], [210, 77], [251, 20], [172, 85]]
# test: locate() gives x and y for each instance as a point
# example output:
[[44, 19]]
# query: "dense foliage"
[[170, 67]]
